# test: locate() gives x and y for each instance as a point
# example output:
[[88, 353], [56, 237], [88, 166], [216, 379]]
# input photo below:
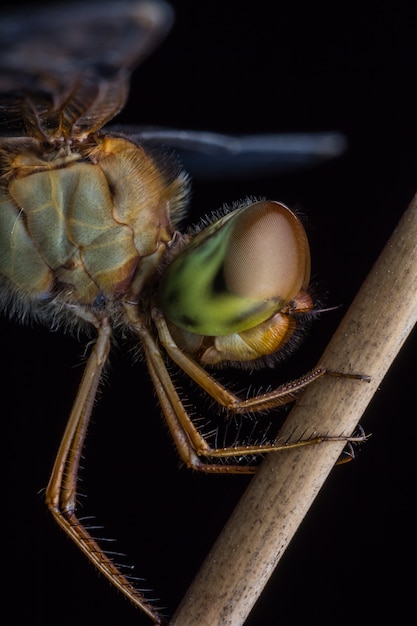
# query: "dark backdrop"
[[239, 67]]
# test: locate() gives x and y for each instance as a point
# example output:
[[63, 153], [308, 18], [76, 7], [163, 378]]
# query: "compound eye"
[[237, 272], [268, 254]]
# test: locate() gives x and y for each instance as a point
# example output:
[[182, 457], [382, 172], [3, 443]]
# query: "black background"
[[239, 68]]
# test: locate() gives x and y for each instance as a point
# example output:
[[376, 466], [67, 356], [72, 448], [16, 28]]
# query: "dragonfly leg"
[[61, 492], [192, 447]]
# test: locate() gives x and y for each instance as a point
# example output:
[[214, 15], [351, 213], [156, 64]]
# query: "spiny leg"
[[61, 492], [190, 443], [280, 396]]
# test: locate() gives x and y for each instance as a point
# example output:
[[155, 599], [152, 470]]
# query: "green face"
[[237, 272]]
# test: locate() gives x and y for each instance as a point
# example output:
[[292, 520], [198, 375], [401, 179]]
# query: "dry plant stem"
[[279, 496]]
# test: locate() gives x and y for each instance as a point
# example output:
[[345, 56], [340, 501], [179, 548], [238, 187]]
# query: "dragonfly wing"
[[208, 155], [65, 69]]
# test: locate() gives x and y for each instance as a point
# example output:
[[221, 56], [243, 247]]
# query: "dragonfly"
[[91, 240]]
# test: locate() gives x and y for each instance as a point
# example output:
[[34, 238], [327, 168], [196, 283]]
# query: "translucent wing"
[[214, 156], [64, 70]]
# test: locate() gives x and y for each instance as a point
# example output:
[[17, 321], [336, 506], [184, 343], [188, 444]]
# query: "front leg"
[[193, 448]]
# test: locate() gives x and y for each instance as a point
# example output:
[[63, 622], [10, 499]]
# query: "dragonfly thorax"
[[76, 228]]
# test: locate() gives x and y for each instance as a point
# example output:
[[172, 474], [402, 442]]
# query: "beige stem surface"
[[279, 496]]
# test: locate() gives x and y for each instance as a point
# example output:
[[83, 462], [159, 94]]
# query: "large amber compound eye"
[[237, 272]]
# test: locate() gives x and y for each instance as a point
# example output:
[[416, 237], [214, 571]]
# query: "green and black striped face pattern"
[[237, 272]]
